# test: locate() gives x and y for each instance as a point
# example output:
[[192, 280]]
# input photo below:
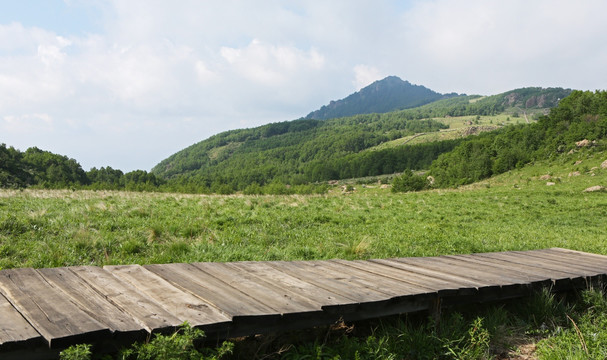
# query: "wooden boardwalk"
[[54, 308]]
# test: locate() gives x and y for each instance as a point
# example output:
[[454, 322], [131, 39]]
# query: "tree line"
[[41, 169]]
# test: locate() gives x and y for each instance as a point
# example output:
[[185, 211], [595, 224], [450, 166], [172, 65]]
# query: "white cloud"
[[365, 75], [163, 75], [204, 73], [492, 46], [270, 64], [27, 123], [51, 54]]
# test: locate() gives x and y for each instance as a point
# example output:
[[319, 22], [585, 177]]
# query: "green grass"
[[515, 211]]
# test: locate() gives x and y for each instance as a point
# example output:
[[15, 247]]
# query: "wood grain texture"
[[182, 305], [281, 300], [149, 314], [314, 294], [13, 326], [46, 308], [584, 255], [437, 271], [231, 301], [548, 264], [89, 300], [331, 282], [419, 281], [63, 306]]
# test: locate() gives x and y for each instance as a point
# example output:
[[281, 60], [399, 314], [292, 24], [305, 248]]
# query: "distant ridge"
[[388, 94]]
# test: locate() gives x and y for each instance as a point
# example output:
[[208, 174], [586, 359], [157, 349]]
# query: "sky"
[[127, 83]]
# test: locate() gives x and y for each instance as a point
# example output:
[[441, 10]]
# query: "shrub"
[[409, 182]]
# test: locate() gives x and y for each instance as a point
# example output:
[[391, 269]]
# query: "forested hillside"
[[307, 150], [580, 116], [290, 152], [386, 95], [37, 167], [580, 120]]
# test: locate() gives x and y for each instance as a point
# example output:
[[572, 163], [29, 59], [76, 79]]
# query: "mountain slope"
[[388, 94], [579, 120], [307, 150]]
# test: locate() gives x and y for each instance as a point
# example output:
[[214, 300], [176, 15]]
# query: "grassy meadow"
[[514, 211]]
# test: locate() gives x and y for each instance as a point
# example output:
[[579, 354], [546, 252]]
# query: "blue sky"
[[76, 17], [126, 83]]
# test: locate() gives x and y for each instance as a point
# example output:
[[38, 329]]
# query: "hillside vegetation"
[[306, 151], [37, 167], [580, 120]]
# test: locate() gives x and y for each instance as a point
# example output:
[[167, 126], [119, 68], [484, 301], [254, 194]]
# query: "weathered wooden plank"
[[356, 292], [14, 329], [283, 280], [490, 273], [585, 255], [383, 283], [440, 265], [572, 279], [495, 285], [526, 258], [478, 263], [552, 273], [441, 286], [353, 278], [538, 271], [582, 262], [231, 301], [438, 275], [48, 309], [586, 262], [281, 300], [261, 296], [182, 305], [150, 315], [92, 302]]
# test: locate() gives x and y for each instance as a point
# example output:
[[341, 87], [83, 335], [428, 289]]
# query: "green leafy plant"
[[76, 352], [474, 344], [178, 346]]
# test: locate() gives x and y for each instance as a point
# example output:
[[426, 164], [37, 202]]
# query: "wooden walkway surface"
[[57, 307]]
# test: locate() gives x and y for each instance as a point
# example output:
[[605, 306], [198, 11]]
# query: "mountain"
[[309, 150], [382, 96]]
